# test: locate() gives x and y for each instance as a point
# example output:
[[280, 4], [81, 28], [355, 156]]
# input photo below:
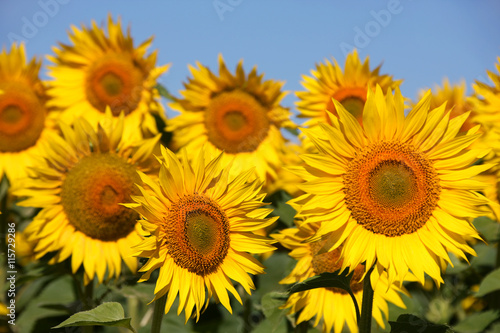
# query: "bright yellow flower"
[[486, 101], [486, 105], [287, 180], [24, 249], [349, 87], [203, 226], [455, 99], [492, 191], [3, 310], [79, 184], [105, 70], [333, 307], [398, 192], [239, 114], [25, 119]]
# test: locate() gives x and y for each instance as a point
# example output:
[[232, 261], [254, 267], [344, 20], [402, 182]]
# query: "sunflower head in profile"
[[203, 225], [25, 118], [398, 192], [486, 100], [239, 114], [349, 87], [456, 101], [80, 183], [103, 69], [492, 190], [486, 105], [333, 307]]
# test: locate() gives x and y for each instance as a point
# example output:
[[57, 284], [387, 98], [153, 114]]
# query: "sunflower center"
[[354, 106], [353, 100], [330, 262], [236, 122], [112, 84], [22, 117], [109, 195], [201, 232], [393, 184], [114, 81], [92, 192], [197, 234], [391, 189], [11, 114]]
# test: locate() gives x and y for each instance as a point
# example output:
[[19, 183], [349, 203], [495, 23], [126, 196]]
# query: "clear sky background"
[[419, 41]]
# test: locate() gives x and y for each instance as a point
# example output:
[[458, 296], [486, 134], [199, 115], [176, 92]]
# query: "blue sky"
[[418, 41]]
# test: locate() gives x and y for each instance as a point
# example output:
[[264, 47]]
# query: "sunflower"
[[349, 88], [25, 118], [486, 100], [333, 306], [203, 225], [105, 70], [79, 184], [24, 247], [398, 192], [456, 101], [3, 310], [486, 104], [492, 192], [238, 114], [287, 180]]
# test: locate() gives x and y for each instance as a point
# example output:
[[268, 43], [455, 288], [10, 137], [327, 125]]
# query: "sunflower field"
[[360, 210]]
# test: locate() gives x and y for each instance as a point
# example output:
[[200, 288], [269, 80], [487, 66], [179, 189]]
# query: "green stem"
[[133, 309], [89, 296], [158, 314], [494, 298], [365, 322], [78, 288], [247, 312], [303, 327], [498, 254], [356, 306], [88, 303]]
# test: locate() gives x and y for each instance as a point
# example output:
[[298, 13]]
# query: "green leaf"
[[277, 267], [36, 294], [293, 131], [495, 328], [58, 307], [275, 317], [142, 291], [285, 212], [272, 301], [490, 283], [488, 228], [229, 322], [325, 280], [458, 265], [106, 314], [163, 91], [408, 323], [476, 323], [486, 256]]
